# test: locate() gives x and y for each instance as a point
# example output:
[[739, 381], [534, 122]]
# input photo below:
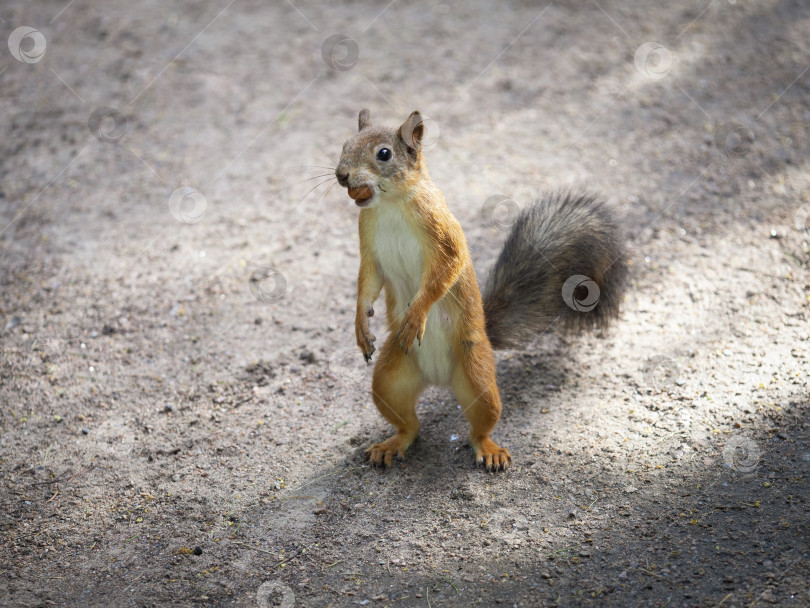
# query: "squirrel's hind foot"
[[382, 454], [492, 456]]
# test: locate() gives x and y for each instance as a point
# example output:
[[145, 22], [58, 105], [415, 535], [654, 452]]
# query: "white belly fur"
[[399, 258]]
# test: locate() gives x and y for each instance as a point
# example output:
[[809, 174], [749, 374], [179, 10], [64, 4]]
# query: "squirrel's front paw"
[[365, 340], [412, 328]]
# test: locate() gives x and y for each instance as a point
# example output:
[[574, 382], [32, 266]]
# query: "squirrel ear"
[[364, 120], [412, 131]]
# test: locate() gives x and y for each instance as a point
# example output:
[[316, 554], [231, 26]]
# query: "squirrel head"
[[380, 163]]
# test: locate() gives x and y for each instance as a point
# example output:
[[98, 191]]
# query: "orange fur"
[[446, 276], [403, 199]]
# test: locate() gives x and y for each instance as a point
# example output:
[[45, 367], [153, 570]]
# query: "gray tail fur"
[[563, 266]]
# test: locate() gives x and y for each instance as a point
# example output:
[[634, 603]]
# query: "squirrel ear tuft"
[[364, 120], [412, 131]]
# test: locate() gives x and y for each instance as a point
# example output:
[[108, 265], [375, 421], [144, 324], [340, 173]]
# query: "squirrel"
[[563, 265]]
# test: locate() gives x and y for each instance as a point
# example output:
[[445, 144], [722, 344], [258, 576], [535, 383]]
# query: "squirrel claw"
[[382, 454], [365, 340], [492, 457], [411, 330]]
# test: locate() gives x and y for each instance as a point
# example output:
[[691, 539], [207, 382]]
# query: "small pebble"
[[85, 431], [197, 550], [169, 407]]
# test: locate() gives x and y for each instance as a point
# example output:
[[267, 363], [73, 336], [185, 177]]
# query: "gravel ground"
[[183, 410]]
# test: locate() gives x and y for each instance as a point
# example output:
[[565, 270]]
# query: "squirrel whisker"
[[315, 187], [332, 168], [306, 179]]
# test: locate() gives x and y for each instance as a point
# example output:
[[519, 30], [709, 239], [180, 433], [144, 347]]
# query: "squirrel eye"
[[384, 154]]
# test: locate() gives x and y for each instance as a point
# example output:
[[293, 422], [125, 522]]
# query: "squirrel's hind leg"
[[477, 392], [395, 388]]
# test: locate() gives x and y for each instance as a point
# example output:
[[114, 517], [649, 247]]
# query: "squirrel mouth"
[[361, 195]]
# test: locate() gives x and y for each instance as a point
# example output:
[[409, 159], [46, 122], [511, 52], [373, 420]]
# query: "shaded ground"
[[155, 399]]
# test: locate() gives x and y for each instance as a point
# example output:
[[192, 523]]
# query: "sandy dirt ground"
[[183, 410]]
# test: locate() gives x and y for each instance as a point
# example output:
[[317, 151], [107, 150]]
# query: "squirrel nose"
[[343, 178]]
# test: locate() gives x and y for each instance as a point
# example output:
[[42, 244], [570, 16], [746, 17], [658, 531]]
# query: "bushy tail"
[[563, 266]]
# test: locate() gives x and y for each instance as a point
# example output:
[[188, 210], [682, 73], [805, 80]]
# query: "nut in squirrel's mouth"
[[361, 195]]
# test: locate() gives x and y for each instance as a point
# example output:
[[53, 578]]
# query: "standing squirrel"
[[563, 264]]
